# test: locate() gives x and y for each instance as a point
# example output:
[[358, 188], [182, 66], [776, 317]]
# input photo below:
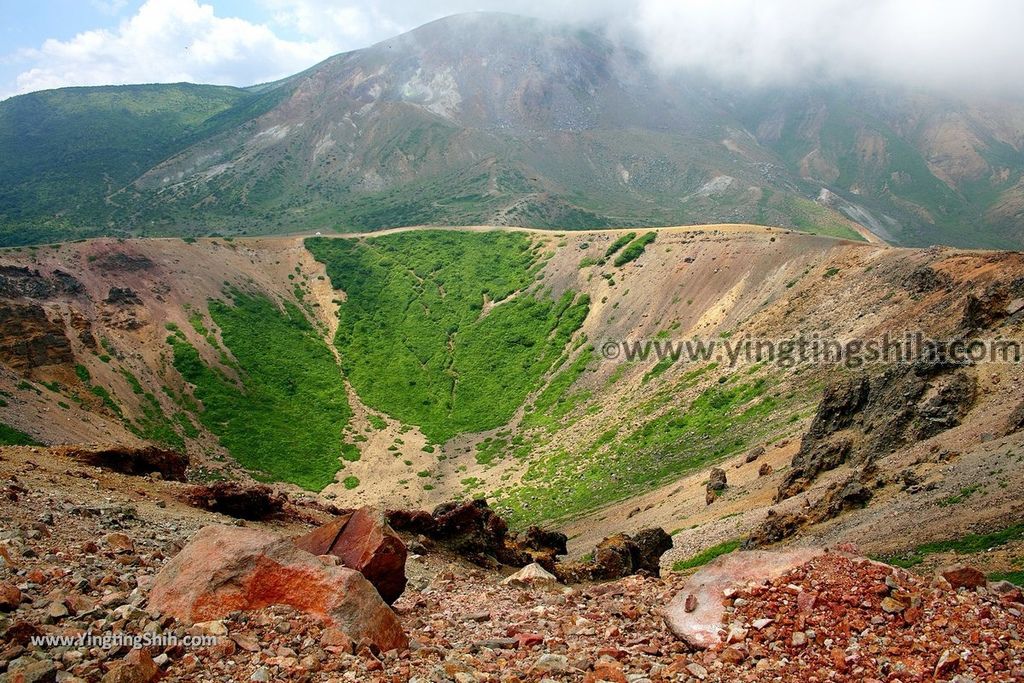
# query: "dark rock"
[[235, 499], [472, 529], [861, 419], [716, 484], [926, 279], [18, 281], [852, 493], [1015, 422], [618, 556], [754, 453], [120, 262], [123, 296], [131, 460], [29, 339], [651, 544]]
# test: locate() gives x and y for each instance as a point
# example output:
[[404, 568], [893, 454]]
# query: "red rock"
[[363, 541], [613, 652], [606, 671], [527, 640], [136, 667], [119, 542], [962, 576], [732, 655], [10, 596], [948, 663], [336, 638], [226, 569]]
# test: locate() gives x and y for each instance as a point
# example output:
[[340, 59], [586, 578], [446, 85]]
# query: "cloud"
[[948, 44], [168, 41], [934, 43]]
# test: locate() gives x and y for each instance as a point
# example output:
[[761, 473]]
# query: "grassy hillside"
[[284, 418], [447, 331], [64, 151]]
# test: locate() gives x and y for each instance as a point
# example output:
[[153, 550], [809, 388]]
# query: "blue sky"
[[948, 44]]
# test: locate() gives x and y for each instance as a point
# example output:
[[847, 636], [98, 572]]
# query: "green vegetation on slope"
[[705, 556], [619, 243], [720, 421], [971, 543], [64, 151], [635, 248], [285, 422], [415, 339], [9, 436]]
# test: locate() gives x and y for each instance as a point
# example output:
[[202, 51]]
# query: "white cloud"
[[937, 43], [945, 43], [168, 41]]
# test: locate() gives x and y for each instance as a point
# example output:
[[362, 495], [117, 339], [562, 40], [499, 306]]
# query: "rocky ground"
[[82, 557]]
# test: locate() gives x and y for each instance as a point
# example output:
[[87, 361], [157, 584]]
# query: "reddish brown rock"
[[136, 667], [363, 541], [227, 569], [10, 596], [962, 576], [138, 461], [235, 499]]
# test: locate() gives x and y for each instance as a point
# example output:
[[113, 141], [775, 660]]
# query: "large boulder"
[[227, 569], [363, 541], [474, 531], [237, 499], [695, 614], [619, 556], [139, 461]]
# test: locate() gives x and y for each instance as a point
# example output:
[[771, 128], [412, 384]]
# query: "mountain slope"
[[496, 119], [65, 151]]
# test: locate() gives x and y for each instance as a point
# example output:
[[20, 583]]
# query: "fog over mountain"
[[953, 46]]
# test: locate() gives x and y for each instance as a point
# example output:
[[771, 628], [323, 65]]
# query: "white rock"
[[531, 574]]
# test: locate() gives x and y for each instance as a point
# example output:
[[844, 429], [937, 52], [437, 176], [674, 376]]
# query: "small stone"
[[136, 667], [691, 603], [531, 574], [119, 542], [10, 596], [736, 635], [333, 637], [697, 670], [550, 663], [798, 639], [948, 663], [246, 641], [892, 606], [733, 655], [56, 610], [761, 624], [260, 675], [962, 576], [479, 617]]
